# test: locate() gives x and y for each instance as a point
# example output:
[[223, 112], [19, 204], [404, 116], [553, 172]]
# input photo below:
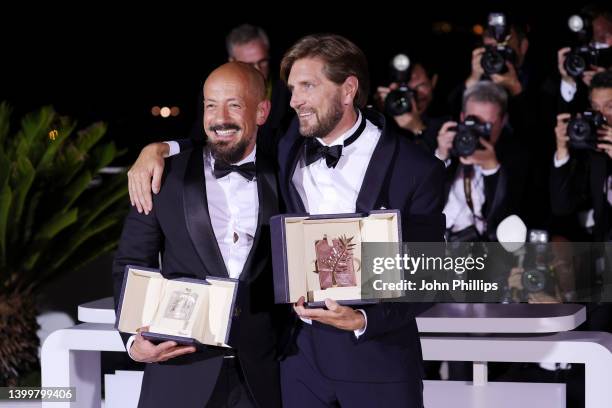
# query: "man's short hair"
[[489, 92], [602, 80], [244, 34], [342, 59]]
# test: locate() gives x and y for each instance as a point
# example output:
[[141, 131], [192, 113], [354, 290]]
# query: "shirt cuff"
[[568, 90], [559, 163], [359, 333], [175, 148], [128, 345], [490, 172], [447, 162], [308, 321]]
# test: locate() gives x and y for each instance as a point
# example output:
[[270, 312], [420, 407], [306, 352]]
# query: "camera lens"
[[465, 142], [492, 62], [579, 130], [574, 64], [534, 280], [399, 101]]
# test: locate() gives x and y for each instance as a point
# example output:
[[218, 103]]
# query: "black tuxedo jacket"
[[579, 185], [400, 175], [180, 228]]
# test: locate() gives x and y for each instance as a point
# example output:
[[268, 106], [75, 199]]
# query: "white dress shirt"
[[233, 206], [334, 190], [329, 190], [568, 90], [457, 212]]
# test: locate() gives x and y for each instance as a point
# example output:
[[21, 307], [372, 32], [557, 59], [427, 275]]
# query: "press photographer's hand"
[[445, 139], [561, 136], [485, 157], [604, 137], [561, 57], [509, 80], [477, 70]]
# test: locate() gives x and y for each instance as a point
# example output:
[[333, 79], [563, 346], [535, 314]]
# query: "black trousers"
[[231, 390]]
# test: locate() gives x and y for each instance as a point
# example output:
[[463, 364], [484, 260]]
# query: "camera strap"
[[468, 171]]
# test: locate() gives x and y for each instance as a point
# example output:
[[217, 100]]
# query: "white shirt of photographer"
[[233, 206], [329, 190], [458, 214]]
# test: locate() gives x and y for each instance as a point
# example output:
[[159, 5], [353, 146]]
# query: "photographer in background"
[[580, 178], [503, 60], [485, 186], [412, 89], [577, 65]]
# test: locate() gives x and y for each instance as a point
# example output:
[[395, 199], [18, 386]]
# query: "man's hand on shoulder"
[[145, 175]]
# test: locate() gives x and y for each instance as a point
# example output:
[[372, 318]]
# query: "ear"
[[263, 110], [462, 116], [231, 59], [524, 46], [349, 90], [434, 81]]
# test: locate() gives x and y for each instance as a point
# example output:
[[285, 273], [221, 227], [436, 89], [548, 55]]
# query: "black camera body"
[[469, 132], [493, 60], [399, 101], [582, 130], [539, 277], [580, 58]]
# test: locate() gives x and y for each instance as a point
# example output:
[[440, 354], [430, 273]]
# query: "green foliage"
[[53, 217]]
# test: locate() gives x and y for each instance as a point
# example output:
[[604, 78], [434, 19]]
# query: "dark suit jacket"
[[180, 227], [401, 176], [579, 185]]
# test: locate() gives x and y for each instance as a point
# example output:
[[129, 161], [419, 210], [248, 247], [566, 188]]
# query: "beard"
[[231, 151], [326, 122]]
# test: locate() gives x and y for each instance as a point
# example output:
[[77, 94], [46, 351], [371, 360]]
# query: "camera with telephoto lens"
[[581, 57], [539, 277], [494, 58], [467, 138], [399, 101], [582, 129]]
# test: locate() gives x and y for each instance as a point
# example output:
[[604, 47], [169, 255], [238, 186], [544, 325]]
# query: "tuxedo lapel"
[[267, 193], [378, 167], [290, 152], [197, 217]]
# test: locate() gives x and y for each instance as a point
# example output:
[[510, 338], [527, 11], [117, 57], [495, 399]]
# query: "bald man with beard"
[[211, 219]]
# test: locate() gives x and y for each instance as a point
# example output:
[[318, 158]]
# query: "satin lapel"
[[267, 192], [294, 201], [197, 217], [378, 169]]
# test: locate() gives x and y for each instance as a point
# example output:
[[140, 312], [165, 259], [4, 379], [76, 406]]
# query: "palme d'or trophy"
[[334, 263]]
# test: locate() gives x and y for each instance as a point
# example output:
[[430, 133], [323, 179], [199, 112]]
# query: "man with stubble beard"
[[211, 219]]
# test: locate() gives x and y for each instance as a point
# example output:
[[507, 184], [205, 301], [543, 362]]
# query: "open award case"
[[320, 256], [187, 311]]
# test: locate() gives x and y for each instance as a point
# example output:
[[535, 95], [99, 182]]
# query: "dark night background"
[[110, 64]]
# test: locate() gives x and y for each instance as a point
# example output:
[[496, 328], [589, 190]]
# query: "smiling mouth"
[[305, 114], [226, 132]]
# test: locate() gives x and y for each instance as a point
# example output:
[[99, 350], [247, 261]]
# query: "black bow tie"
[[246, 170], [315, 150]]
